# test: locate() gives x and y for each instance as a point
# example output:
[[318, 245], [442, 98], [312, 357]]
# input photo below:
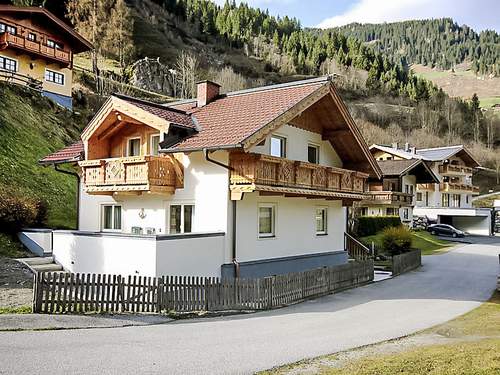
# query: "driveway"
[[446, 286], [474, 239]]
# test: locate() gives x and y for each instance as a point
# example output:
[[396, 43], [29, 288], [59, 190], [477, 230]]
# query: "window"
[[278, 146], [467, 198], [111, 218], [445, 200], [8, 64], [392, 211], [32, 37], [455, 200], [267, 220], [406, 214], [321, 220], [53, 44], [313, 154], [2, 27], [54, 77], [134, 147], [155, 144], [11, 29], [419, 197], [181, 218]]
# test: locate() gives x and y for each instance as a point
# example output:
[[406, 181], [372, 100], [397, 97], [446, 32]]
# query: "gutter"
[[74, 174], [233, 229]]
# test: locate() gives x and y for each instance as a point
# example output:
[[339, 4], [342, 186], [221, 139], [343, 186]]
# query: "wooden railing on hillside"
[[258, 169], [20, 79], [356, 249]]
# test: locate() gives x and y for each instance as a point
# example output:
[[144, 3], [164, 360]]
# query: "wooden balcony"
[[134, 175], [446, 187], [455, 170], [394, 198], [274, 176], [21, 43], [426, 187]]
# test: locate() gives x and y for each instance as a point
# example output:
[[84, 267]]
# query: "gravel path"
[[447, 286], [16, 284]]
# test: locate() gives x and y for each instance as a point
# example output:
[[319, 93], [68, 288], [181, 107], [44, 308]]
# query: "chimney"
[[208, 91], [395, 145], [407, 147], [413, 150]]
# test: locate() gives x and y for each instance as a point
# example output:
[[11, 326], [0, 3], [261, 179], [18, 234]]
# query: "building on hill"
[[36, 49], [250, 183], [448, 201], [394, 194]]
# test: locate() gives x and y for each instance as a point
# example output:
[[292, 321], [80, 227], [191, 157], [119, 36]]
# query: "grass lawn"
[[422, 240], [11, 248]]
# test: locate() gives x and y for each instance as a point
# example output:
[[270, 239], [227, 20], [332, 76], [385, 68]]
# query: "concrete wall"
[[38, 241]]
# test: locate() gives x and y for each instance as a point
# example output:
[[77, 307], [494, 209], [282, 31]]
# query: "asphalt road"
[[446, 286]]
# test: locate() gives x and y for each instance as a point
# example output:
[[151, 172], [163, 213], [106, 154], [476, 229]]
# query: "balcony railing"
[[132, 174], [20, 79], [450, 169], [256, 170], [388, 197], [426, 187], [450, 187], [20, 42]]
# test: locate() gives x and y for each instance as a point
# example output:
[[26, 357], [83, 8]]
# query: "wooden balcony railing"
[[450, 169], [256, 170], [20, 79], [132, 174], [387, 197], [426, 187], [450, 187], [20, 42]]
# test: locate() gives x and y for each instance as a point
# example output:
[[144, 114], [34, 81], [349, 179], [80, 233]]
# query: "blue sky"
[[479, 14]]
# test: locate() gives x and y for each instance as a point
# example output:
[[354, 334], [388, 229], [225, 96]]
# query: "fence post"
[[37, 292]]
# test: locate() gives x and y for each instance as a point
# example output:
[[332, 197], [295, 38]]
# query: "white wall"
[[38, 241], [296, 146], [295, 228]]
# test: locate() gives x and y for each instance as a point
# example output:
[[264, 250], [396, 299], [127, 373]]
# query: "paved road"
[[448, 285]]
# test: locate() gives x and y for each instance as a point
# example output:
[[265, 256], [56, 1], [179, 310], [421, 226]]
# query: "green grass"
[[30, 128], [16, 310], [10, 247], [422, 240], [489, 102]]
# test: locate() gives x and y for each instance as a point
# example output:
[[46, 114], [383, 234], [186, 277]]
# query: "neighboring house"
[[394, 194], [36, 49], [249, 183], [450, 200]]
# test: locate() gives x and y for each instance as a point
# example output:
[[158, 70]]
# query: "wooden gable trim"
[[114, 104]]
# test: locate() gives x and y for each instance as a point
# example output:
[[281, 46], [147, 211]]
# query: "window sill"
[[321, 234], [266, 237]]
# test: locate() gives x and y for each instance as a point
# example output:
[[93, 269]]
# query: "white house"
[[249, 183], [449, 200]]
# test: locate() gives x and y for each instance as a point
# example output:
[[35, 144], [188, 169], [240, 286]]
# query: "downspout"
[[74, 174], [233, 229]]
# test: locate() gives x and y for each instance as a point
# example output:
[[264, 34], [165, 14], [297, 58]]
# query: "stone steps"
[[41, 264]]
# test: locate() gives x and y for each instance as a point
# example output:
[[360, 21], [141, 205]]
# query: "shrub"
[[396, 240], [17, 212], [370, 225]]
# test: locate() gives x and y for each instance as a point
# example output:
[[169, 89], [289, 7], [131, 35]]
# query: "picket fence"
[[79, 293]]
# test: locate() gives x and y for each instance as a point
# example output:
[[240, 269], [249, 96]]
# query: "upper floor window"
[[134, 147], [53, 44], [54, 77], [313, 154], [155, 144], [32, 37], [8, 64], [111, 217], [7, 28], [181, 218], [278, 146], [2, 28]]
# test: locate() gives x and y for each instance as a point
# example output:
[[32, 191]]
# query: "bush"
[[370, 225], [396, 240], [17, 212]]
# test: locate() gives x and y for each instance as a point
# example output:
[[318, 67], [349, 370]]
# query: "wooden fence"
[[78, 293], [406, 262]]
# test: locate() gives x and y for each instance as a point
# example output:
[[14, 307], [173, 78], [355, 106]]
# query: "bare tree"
[[186, 74], [118, 39]]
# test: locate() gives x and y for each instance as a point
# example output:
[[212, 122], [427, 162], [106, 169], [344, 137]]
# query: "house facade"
[[37, 49], [250, 183], [448, 200]]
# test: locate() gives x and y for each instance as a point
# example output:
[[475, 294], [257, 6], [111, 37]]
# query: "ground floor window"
[[392, 211], [267, 219], [455, 200], [54, 77], [321, 220], [419, 197], [8, 64], [406, 214], [181, 218], [445, 200], [111, 217]]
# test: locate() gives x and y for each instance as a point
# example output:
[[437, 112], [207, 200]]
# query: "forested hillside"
[[438, 43]]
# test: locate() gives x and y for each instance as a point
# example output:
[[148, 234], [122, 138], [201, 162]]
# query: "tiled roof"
[[231, 119], [439, 153], [173, 115], [397, 167], [70, 153]]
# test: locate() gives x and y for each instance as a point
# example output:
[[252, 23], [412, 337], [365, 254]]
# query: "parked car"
[[445, 229]]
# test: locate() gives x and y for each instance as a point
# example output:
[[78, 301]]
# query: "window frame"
[[394, 210], [5, 59], [32, 37], [272, 234], [55, 74], [447, 195], [283, 145], [419, 196], [323, 232], [127, 152], [113, 205], [151, 149], [10, 29], [316, 147], [182, 218]]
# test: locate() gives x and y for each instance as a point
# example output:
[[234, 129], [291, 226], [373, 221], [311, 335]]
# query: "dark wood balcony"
[[457, 187], [455, 170]]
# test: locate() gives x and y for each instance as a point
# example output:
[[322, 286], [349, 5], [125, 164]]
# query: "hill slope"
[[31, 127]]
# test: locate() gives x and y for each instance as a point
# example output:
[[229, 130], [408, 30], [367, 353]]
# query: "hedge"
[[370, 225], [396, 240], [18, 211]]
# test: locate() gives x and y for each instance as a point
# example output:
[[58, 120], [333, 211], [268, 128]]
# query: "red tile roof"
[[70, 153], [231, 119]]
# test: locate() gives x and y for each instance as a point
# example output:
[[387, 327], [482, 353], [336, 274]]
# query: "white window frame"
[[151, 150], [9, 29], [54, 74], [113, 217], [181, 204], [325, 231], [317, 147], [284, 144], [128, 146], [11, 59], [271, 235]]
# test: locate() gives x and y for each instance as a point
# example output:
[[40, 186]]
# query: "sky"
[[479, 14]]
